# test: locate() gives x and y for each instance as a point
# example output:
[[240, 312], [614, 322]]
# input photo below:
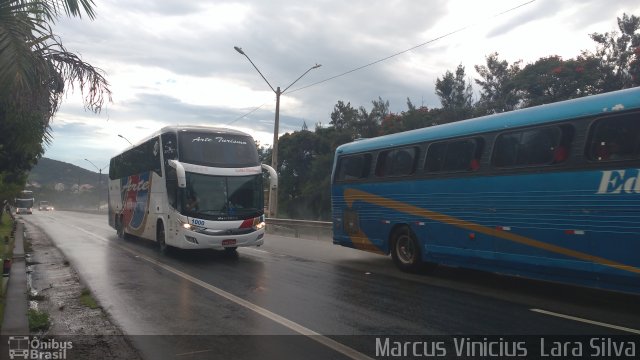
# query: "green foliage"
[[87, 300], [619, 54], [38, 320], [35, 70], [455, 94], [552, 79], [498, 87]]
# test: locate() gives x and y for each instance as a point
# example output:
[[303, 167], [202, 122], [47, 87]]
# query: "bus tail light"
[[574, 232]]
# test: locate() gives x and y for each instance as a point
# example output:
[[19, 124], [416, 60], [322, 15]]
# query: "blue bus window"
[[615, 138], [354, 167], [455, 155], [397, 162], [528, 147]]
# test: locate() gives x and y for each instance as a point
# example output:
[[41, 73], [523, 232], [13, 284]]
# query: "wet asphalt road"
[[307, 287]]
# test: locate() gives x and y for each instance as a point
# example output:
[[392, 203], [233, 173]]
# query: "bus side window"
[[172, 186], [454, 155], [615, 138], [529, 147], [353, 167], [397, 162]]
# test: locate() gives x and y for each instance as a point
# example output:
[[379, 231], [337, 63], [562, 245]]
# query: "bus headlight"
[[187, 226], [259, 225]]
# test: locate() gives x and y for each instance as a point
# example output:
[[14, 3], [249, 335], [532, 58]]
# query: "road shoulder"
[[56, 289]]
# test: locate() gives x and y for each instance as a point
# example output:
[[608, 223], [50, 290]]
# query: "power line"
[[247, 114], [393, 55], [411, 48]]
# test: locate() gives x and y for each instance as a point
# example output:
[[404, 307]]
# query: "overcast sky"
[[173, 62]]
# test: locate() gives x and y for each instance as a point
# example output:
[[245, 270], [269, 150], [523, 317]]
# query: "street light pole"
[[99, 178], [125, 139], [273, 193]]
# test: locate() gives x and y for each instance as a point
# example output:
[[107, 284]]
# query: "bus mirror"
[[273, 176], [182, 178]]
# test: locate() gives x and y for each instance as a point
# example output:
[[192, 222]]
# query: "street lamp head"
[[239, 49], [316, 66]]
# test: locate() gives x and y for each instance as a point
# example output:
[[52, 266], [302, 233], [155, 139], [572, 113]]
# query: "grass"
[[38, 320], [5, 231], [5, 252], [87, 300]]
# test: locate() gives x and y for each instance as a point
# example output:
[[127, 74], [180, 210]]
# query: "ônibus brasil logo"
[[24, 347]]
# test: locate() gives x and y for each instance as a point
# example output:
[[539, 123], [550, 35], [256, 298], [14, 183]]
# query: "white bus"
[[24, 202], [189, 187]]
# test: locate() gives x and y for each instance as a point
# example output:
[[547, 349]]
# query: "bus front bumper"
[[194, 240]]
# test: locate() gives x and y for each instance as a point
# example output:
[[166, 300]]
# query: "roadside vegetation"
[[6, 251], [87, 299], [36, 71], [38, 320]]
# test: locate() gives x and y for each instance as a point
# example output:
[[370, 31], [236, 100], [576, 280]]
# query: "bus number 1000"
[[197, 222]]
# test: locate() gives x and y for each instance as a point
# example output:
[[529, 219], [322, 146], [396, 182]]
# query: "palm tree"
[[35, 70]]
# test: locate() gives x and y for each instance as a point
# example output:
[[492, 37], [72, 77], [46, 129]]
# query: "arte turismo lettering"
[[141, 186], [219, 139]]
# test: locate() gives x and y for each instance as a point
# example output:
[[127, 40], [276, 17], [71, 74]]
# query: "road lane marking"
[[330, 343], [587, 321]]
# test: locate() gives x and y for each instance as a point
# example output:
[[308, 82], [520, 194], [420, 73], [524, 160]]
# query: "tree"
[[553, 79], [498, 91], [35, 70], [344, 117], [618, 53], [455, 95]]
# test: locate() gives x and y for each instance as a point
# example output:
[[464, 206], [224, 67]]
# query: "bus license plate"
[[228, 242]]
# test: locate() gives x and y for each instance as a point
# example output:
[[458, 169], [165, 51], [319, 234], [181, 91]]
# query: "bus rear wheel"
[[405, 250]]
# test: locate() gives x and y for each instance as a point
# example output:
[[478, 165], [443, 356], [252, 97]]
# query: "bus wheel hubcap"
[[404, 248]]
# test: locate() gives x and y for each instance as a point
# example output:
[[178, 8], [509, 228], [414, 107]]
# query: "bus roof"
[[178, 128], [569, 109]]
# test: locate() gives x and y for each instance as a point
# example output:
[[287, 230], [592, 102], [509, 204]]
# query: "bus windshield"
[[24, 203], [218, 150], [222, 197]]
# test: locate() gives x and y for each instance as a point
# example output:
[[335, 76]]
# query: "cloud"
[[173, 62]]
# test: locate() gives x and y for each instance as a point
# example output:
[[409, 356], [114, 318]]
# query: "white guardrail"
[[320, 230]]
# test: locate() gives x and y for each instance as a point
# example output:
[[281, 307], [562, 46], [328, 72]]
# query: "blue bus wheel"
[[405, 250]]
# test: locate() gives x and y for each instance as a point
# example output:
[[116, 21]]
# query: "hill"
[[49, 172], [67, 186]]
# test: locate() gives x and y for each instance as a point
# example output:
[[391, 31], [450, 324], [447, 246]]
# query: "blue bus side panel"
[[579, 227]]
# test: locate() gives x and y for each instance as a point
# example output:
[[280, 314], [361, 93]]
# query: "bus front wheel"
[[405, 250], [119, 227], [160, 238]]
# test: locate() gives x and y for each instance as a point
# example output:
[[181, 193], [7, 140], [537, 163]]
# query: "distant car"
[[44, 206]]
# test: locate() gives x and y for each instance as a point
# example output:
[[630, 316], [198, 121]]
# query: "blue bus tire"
[[405, 250]]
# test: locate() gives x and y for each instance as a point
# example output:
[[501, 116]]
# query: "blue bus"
[[549, 192]]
